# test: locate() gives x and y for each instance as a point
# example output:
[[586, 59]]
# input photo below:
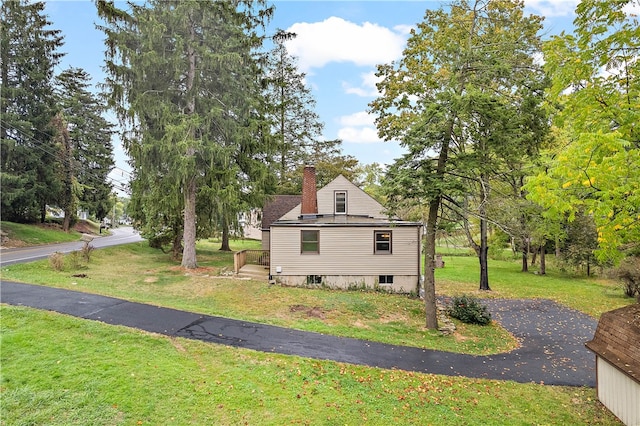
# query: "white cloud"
[[552, 8], [367, 87], [338, 40], [359, 135], [358, 128], [361, 118]]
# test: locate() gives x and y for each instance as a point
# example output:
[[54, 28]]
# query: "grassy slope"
[[148, 276], [50, 233]]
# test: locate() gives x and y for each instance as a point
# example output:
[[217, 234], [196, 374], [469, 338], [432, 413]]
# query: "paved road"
[[552, 337], [120, 235]]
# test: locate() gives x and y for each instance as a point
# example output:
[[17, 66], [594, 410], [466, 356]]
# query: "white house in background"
[[340, 237]]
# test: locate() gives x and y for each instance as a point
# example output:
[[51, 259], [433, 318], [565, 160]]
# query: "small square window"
[[385, 279], [382, 242], [310, 242], [314, 279], [341, 202]]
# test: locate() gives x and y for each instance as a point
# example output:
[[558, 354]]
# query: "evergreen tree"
[[183, 77], [295, 124], [29, 158], [90, 137], [68, 198]]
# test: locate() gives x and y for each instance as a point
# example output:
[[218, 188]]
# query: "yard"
[[82, 372]]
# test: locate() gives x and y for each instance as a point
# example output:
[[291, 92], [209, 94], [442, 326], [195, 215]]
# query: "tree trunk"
[[429, 267], [190, 187], [66, 222], [68, 173], [483, 254], [543, 264], [189, 253], [431, 309], [525, 255], [225, 237]]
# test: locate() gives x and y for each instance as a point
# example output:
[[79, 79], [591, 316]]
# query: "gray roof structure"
[[277, 207]]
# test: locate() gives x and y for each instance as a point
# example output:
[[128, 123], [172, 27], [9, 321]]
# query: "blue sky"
[[338, 46]]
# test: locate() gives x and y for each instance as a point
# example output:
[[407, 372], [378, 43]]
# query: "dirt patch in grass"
[[314, 312], [9, 243], [84, 228], [460, 338]]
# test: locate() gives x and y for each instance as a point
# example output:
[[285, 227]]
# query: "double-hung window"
[[340, 202], [310, 242], [382, 242]]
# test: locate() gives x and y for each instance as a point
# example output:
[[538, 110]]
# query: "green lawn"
[[591, 295], [59, 370], [138, 273]]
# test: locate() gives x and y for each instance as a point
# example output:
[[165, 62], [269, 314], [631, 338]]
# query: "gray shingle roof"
[[277, 207]]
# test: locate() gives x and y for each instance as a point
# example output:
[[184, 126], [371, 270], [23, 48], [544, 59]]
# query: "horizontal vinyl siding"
[[619, 393], [359, 203], [345, 251]]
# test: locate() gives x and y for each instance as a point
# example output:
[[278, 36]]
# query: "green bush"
[[629, 273], [468, 310]]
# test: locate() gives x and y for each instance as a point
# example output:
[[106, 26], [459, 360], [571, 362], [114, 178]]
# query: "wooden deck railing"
[[250, 257]]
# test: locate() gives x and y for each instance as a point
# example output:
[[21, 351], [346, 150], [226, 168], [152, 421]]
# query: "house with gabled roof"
[[338, 236]]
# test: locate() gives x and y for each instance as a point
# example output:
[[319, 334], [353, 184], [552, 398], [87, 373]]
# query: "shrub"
[[629, 273], [75, 260], [86, 251], [468, 310], [56, 261]]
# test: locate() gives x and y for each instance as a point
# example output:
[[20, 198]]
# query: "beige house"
[[340, 237]]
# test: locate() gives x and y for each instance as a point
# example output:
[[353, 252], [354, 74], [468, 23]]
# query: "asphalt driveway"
[[552, 337]]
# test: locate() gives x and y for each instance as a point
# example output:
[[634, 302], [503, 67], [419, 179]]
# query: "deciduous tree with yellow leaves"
[[595, 164]]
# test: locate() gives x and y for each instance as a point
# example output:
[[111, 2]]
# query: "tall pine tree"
[[184, 81], [296, 126], [29, 157], [90, 141]]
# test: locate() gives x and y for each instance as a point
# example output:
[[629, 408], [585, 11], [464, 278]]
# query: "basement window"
[[385, 279], [314, 279]]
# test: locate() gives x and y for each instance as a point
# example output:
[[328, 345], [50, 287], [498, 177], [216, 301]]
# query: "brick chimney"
[[309, 196]]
